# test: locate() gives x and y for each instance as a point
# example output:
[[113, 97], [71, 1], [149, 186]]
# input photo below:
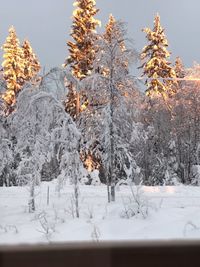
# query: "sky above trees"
[[47, 24]]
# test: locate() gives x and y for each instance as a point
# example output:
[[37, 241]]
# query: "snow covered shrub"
[[195, 175], [9, 228], [95, 235], [85, 178], [73, 209], [136, 204], [47, 225], [44, 131], [95, 178]]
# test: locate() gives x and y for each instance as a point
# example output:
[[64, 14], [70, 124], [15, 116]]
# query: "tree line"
[[89, 121]]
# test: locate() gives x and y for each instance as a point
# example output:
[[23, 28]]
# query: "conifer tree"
[[32, 65], [72, 102], [156, 66], [13, 67], [179, 68], [180, 71], [82, 50]]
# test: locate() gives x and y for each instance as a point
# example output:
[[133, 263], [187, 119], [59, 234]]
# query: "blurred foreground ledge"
[[103, 254]]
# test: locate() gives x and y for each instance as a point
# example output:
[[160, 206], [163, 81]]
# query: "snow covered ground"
[[167, 213]]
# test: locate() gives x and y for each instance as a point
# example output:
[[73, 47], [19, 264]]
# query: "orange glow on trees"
[[114, 32], [13, 67], [32, 65], [90, 162], [20, 65], [156, 65], [82, 51]]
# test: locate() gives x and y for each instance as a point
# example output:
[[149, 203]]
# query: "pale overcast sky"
[[46, 23]]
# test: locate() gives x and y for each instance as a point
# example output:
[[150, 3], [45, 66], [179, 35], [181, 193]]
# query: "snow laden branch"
[[44, 132]]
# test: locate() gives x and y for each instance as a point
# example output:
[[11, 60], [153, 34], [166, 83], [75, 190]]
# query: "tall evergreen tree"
[[32, 65], [13, 67], [156, 67], [82, 50]]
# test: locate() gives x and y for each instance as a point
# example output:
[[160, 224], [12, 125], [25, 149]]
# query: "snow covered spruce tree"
[[82, 51], [37, 124], [109, 91], [32, 65], [180, 72], [179, 68], [156, 66], [13, 67]]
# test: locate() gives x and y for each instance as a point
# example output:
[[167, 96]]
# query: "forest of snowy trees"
[[89, 121]]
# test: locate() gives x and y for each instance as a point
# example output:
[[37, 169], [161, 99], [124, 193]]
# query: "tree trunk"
[[112, 160], [76, 199], [77, 104], [108, 191], [48, 196], [32, 197], [76, 189], [113, 192]]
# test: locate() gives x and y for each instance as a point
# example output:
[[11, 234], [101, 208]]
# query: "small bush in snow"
[[47, 227], [90, 213], [71, 209], [9, 228], [95, 233], [136, 204]]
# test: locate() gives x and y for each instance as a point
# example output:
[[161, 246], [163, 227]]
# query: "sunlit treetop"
[[114, 32], [13, 67], [82, 50], [109, 28], [115, 50], [157, 35], [155, 62], [32, 65]]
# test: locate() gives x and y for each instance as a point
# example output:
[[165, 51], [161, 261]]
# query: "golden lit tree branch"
[[161, 77], [81, 51], [13, 67], [32, 65]]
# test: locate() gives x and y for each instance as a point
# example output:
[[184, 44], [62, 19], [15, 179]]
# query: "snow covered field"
[[167, 213]]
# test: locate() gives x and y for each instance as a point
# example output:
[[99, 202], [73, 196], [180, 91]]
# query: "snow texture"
[[173, 213]]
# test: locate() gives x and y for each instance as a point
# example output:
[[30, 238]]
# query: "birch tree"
[[108, 93]]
